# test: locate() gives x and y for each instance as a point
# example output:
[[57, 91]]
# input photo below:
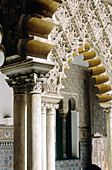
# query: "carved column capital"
[[44, 108], [26, 83], [52, 108], [18, 84], [63, 113], [34, 84]]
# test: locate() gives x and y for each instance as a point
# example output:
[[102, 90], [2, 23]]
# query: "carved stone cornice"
[[48, 98], [31, 65]]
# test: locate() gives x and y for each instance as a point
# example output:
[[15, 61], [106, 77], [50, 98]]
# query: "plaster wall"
[[76, 85], [98, 131], [79, 84], [6, 99]]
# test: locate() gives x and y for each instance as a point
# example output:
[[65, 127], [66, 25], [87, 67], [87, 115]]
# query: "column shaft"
[[19, 131], [44, 161], [34, 131], [64, 136], [109, 139], [51, 140]]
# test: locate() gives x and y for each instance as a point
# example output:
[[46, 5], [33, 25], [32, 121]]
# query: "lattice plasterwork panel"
[[80, 20]]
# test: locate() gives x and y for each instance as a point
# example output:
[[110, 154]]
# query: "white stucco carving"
[[81, 20]]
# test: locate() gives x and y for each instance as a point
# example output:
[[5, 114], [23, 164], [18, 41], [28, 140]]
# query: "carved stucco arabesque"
[[81, 21]]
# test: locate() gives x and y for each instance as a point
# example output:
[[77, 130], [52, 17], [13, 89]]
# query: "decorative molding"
[[53, 84], [6, 133]]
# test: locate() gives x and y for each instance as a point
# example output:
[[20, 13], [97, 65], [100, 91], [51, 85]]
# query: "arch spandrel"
[[84, 19]]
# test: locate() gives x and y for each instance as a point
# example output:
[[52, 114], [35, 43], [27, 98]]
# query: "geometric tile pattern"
[[6, 156], [76, 164]]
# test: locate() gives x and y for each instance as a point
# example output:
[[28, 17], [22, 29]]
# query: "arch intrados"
[[72, 103]]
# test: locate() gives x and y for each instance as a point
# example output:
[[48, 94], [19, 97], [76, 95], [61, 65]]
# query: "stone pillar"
[[51, 130], [34, 123], [20, 104], [108, 112], [44, 158]]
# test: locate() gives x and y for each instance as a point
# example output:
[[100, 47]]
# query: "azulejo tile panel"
[[76, 164], [6, 156]]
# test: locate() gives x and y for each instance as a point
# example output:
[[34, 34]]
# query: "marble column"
[[20, 104], [51, 117], [34, 123], [44, 158], [27, 108]]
